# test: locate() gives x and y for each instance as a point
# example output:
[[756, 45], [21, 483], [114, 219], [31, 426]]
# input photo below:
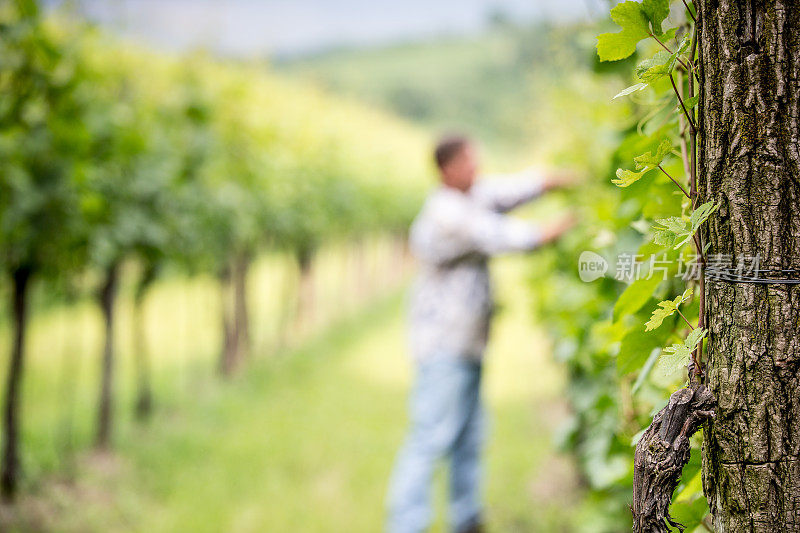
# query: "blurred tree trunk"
[[235, 317], [227, 361], [241, 268], [360, 271], [107, 297], [143, 406], [9, 478], [304, 312], [287, 304], [750, 134]]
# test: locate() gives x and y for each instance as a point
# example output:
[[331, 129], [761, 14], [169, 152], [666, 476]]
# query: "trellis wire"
[[735, 275]]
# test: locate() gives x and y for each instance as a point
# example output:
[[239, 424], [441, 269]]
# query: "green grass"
[[304, 441]]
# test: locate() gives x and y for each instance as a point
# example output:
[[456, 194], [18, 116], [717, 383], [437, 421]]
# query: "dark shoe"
[[476, 528]]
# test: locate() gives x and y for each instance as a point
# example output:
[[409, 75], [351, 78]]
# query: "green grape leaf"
[[661, 64], [692, 490], [665, 309], [670, 230], [664, 238], [635, 296], [701, 214], [690, 103], [635, 24], [676, 230], [690, 506], [636, 348], [694, 337], [690, 513], [651, 160], [684, 45], [626, 178], [644, 164], [656, 11], [656, 67], [668, 35], [673, 224], [646, 369], [631, 89], [677, 355]]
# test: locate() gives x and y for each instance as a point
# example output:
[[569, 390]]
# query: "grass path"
[[305, 442]]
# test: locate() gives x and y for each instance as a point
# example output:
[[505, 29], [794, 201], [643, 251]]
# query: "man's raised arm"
[[445, 237], [503, 193]]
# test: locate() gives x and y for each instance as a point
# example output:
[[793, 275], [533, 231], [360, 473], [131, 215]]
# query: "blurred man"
[[461, 225]]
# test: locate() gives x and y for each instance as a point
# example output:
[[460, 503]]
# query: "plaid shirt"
[[452, 238]]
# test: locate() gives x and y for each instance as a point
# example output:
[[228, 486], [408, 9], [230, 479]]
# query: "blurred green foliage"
[[600, 325], [109, 150], [111, 153]]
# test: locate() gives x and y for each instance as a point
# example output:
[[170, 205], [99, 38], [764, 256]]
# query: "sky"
[[290, 27]]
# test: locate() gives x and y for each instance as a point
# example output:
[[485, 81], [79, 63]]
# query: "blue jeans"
[[447, 421]]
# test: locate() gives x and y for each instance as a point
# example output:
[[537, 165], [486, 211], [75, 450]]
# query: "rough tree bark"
[[9, 477], [107, 298], [750, 164]]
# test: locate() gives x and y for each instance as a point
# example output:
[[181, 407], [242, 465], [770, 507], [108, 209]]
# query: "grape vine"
[[664, 447]]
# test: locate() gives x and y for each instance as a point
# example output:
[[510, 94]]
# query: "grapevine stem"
[[693, 49], [665, 47], [675, 182], [697, 354], [689, 11], [685, 111], [684, 318], [682, 134], [699, 248]]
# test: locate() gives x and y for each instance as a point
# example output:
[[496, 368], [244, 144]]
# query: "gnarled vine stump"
[[661, 454]]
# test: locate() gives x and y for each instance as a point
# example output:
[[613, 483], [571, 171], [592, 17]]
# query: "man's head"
[[457, 160]]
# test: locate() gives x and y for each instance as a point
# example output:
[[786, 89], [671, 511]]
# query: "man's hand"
[[554, 230], [560, 179]]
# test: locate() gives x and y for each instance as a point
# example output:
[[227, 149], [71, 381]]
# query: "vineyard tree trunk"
[[304, 312], [107, 296], [9, 477], [235, 318], [241, 267], [287, 306], [230, 339], [361, 281], [144, 390], [750, 164]]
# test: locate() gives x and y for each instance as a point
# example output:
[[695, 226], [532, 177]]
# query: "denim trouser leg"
[[465, 472], [446, 421]]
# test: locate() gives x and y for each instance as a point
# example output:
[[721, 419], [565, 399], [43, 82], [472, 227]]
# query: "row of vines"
[[111, 154]]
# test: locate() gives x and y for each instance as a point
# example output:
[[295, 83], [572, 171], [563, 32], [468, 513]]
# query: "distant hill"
[[492, 85]]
